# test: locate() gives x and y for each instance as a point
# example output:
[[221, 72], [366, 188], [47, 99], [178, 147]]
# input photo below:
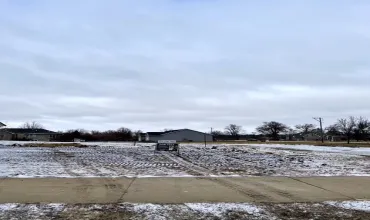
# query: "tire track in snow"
[[200, 171]]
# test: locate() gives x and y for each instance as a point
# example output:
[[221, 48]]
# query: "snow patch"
[[8, 207], [355, 205], [123, 159], [218, 209], [146, 207], [338, 149], [153, 211]]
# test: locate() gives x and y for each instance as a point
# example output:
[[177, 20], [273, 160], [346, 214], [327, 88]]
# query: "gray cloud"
[[176, 64]]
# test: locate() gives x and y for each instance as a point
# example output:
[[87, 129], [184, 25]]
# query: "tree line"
[[351, 128], [121, 134]]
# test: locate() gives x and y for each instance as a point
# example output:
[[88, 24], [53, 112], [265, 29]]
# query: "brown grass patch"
[[314, 143], [51, 145], [109, 213], [319, 143], [312, 211]]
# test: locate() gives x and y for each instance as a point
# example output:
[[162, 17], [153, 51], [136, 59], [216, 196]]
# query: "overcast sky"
[[195, 64]]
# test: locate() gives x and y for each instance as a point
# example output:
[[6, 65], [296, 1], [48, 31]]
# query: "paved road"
[[183, 190]]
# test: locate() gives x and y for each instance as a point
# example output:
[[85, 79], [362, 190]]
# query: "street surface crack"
[[301, 181], [126, 190]]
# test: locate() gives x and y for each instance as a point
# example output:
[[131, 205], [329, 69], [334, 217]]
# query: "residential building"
[[78, 140], [226, 137], [143, 137], [336, 138], [312, 137], [181, 135], [26, 134]]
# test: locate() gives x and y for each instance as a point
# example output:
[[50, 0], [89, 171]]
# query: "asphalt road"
[[183, 190]]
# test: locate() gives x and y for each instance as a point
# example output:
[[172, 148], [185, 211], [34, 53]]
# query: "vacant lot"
[[125, 159]]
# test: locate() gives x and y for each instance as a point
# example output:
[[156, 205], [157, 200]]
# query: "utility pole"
[[319, 119], [205, 139]]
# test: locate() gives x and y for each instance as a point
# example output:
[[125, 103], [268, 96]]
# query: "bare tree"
[[32, 125], [83, 131], [136, 134], [272, 129], [217, 133], [305, 129], [332, 130], [362, 128], [233, 130], [346, 126], [124, 134]]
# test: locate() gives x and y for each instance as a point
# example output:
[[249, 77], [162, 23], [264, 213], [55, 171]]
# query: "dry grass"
[[318, 143], [108, 213], [314, 143], [51, 145], [314, 211]]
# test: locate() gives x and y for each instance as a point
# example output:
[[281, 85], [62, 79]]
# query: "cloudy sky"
[[197, 64]]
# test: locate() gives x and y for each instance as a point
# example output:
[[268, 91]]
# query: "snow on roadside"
[[152, 211], [346, 150], [326, 210], [354, 205], [137, 210], [219, 209], [7, 207]]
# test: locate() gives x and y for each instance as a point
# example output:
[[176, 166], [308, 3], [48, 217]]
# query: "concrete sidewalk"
[[183, 190]]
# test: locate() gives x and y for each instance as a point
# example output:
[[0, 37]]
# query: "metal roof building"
[[180, 135]]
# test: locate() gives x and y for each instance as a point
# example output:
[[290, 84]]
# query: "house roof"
[[172, 131], [2, 124], [155, 133], [28, 131], [164, 132]]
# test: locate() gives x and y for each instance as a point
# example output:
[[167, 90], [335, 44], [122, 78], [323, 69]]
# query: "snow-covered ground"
[[354, 205], [125, 159], [105, 161], [133, 211], [273, 160], [328, 210], [337, 149]]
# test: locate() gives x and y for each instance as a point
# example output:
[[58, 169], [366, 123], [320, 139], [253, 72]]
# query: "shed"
[[27, 134]]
